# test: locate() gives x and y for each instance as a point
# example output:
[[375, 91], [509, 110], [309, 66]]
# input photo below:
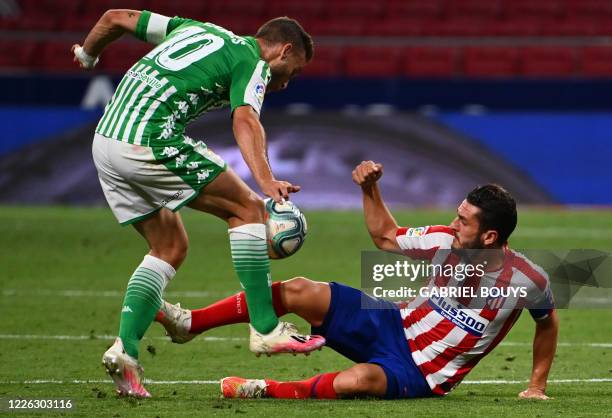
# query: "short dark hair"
[[497, 210], [287, 30]]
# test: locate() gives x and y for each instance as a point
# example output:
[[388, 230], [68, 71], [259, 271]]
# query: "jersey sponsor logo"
[[459, 315], [416, 232], [145, 78]]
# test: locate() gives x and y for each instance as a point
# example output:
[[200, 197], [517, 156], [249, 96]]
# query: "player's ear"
[[489, 238], [286, 51]]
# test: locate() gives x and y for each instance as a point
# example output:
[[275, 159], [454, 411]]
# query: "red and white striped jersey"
[[449, 335]]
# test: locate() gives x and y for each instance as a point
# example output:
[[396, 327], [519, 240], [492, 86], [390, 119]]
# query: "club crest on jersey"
[[416, 232], [495, 302]]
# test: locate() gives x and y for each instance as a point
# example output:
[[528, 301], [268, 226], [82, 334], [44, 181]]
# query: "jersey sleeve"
[[248, 85], [541, 302], [154, 28], [422, 243]]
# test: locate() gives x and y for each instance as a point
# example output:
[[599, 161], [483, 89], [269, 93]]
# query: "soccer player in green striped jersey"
[[148, 168]]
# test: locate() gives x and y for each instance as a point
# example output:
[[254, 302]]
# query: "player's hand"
[[533, 393], [367, 173], [279, 190], [83, 59]]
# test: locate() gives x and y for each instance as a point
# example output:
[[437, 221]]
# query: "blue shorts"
[[372, 336]]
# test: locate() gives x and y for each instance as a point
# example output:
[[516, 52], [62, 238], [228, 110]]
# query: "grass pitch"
[[63, 272]]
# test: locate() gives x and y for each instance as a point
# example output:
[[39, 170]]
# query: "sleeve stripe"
[[156, 29], [425, 242], [434, 236], [401, 231], [141, 25], [535, 276], [250, 96]]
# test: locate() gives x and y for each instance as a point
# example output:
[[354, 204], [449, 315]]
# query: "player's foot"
[[285, 338], [237, 387], [177, 322], [125, 371]]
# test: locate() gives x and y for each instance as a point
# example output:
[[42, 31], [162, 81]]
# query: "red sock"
[[318, 387], [231, 310]]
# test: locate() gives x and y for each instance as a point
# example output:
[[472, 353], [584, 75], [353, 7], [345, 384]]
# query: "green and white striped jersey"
[[195, 67]]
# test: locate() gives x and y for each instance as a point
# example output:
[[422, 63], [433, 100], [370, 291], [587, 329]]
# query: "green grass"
[[47, 250]]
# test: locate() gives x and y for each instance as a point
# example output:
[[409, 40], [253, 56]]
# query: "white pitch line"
[[78, 293], [588, 301], [100, 337], [560, 344], [216, 382], [91, 381], [211, 338], [554, 381]]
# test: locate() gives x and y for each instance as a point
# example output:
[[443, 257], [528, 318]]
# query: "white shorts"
[[137, 181]]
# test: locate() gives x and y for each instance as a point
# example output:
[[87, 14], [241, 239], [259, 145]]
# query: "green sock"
[[251, 262], [142, 301]]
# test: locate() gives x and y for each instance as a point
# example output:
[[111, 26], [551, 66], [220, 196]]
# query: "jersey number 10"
[[194, 44]]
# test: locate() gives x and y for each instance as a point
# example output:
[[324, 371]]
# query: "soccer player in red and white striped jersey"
[[424, 347], [446, 342]]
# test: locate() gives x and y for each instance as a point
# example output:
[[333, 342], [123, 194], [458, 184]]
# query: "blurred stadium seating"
[[412, 38], [474, 68]]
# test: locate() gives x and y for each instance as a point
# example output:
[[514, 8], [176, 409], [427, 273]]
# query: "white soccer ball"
[[286, 228]]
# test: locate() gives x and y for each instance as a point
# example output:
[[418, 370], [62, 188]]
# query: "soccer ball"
[[285, 227]]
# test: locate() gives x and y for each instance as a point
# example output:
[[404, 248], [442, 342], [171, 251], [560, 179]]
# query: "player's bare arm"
[[544, 347], [251, 139], [111, 26], [379, 220]]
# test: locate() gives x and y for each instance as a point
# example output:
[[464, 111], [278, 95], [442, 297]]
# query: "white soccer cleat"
[[125, 371], [285, 338], [237, 387], [177, 322]]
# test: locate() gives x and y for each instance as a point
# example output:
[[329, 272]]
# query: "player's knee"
[[297, 287], [358, 381], [173, 252], [299, 293], [255, 208], [251, 209], [179, 253], [362, 382]]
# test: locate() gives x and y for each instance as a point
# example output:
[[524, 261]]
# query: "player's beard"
[[280, 75], [467, 250]]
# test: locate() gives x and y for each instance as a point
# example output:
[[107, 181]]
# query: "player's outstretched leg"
[[168, 242], [182, 325], [360, 380], [229, 198]]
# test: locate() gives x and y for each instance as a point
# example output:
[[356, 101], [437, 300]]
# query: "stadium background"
[[446, 93]]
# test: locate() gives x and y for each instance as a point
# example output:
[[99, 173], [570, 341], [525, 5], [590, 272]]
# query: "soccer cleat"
[[285, 338], [125, 371], [237, 387], [177, 322]]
